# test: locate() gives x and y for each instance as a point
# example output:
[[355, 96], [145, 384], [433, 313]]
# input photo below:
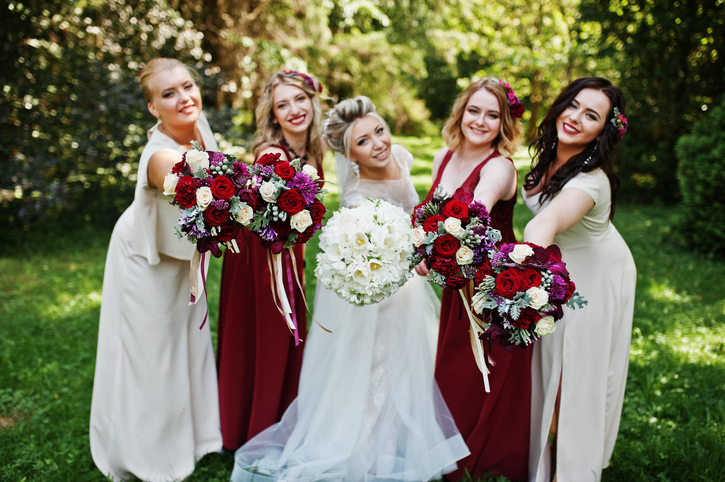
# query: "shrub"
[[701, 156]]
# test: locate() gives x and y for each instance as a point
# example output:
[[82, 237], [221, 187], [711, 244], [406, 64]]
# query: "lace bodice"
[[400, 192]]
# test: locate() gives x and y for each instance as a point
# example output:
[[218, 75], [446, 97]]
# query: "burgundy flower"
[[305, 236], [318, 211], [281, 227], [215, 217], [210, 243], [222, 187], [268, 159], [531, 277], [431, 224], [455, 209], [186, 192], [179, 167], [446, 266], [291, 201], [446, 246], [570, 289], [508, 282], [227, 232], [284, 170], [456, 282], [527, 317], [483, 271]]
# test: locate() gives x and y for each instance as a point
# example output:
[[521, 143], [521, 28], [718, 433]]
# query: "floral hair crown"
[[620, 123], [310, 81], [515, 105]]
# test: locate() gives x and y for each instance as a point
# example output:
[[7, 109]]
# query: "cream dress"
[[155, 409], [368, 408], [590, 348]]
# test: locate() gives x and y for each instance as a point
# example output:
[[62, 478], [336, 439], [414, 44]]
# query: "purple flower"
[[220, 204], [267, 233], [558, 288], [215, 157], [307, 187]]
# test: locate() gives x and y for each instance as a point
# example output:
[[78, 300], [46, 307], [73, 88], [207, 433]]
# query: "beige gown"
[[155, 410], [590, 348]]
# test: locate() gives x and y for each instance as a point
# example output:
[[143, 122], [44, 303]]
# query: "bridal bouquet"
[[522, 291], [365, 252], [453, 236]]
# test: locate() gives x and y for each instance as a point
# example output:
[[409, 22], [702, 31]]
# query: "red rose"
[[268, 159], [431, 224], [570, 289], [508, 283], [291, 201], [215, 217], [527, 317], [305, 236], [227, 232], [282, 228], [530, 278], [318, 211], [186, 192], [222, 187], [446, 246], [455, 209], [483, 271], [445, 266], [284, 170]]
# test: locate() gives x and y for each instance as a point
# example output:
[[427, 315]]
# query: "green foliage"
[[670, 56], [701, 172]]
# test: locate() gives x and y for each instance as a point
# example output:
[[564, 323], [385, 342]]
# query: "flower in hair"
[[310, 81], [620, 123], [515, 105]]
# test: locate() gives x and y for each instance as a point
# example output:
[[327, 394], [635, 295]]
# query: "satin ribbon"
[[302, 290], [279, 294], [198, 264], [477, 344]]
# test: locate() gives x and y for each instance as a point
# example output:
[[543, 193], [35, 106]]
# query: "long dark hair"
[[543, 148]]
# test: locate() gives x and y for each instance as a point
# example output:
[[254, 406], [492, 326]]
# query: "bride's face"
[[370, 145]]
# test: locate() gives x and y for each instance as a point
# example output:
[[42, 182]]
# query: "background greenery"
[[674, 410]]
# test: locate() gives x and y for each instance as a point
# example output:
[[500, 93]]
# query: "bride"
[[368, 408]]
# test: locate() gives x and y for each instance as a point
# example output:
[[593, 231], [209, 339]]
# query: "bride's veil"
[[345, 175]]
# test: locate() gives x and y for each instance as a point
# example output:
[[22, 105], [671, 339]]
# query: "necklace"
[[294, 154], [181, 143]]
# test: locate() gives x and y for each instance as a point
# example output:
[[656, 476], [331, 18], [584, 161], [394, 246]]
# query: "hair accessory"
[[620, 123], [592, 153], [515, 106], [310, 81]]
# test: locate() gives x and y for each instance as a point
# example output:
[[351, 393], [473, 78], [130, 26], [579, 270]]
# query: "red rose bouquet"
[[522, 292], [452, 235]]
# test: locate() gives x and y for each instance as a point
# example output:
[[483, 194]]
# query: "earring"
[[592, 153], [355, 168], [553, 146]]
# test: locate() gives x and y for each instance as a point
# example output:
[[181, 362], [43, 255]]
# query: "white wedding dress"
[[368, 408]]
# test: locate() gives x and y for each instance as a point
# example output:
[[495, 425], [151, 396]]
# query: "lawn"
[[674, 411]]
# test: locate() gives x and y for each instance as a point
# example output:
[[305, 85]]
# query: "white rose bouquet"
[[365, 252], [522, 292]]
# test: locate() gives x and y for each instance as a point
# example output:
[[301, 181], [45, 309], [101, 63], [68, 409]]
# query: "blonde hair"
[[338, 127], [508, 139], [268, 134], [155, 66]]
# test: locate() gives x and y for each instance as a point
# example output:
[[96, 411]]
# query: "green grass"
[[674, 410]]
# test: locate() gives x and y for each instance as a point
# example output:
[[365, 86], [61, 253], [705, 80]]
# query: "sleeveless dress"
[[257, 360], [494, 425], [368, 408], [154, 411], [589, 350]]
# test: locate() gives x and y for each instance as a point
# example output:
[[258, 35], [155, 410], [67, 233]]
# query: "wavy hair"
[[155, 66], [508, 139], [270, 135], [338, 126], [543, 148]]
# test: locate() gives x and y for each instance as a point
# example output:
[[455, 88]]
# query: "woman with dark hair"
[[579, 373], [258, 362]]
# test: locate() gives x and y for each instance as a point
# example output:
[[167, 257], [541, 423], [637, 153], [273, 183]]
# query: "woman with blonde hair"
[[481, 134], [368, 408], [155, 410], [257, 360]]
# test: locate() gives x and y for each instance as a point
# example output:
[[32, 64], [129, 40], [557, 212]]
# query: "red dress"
[[494, 425], [258, 363]]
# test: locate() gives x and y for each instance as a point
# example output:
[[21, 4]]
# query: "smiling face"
[[370, 146], [583, 120], [176, 99], [481, 121], [292, 109]]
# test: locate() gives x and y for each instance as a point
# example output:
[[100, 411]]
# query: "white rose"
[[301, 221], [204, 197], [196, 159], [310, 171], [170, 184], [453, 226], [268, 191], [244, 215], [545, 326], [417, 235], [464, 255], [520, 253], [538, 296]]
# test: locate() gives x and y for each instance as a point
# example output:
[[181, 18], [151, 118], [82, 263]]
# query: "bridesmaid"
[[579, 373], [481, 134], [257, 360], [155, 411]]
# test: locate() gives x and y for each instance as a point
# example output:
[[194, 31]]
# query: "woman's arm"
[[563, 212], [497, 181], [159, 166]]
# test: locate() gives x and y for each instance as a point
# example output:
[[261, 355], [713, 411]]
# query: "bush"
[[701, 171]]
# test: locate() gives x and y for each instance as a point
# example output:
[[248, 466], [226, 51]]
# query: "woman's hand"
[[422, 269]]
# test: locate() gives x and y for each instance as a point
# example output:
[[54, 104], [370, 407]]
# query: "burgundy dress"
[[258, 363], [494, 425]]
